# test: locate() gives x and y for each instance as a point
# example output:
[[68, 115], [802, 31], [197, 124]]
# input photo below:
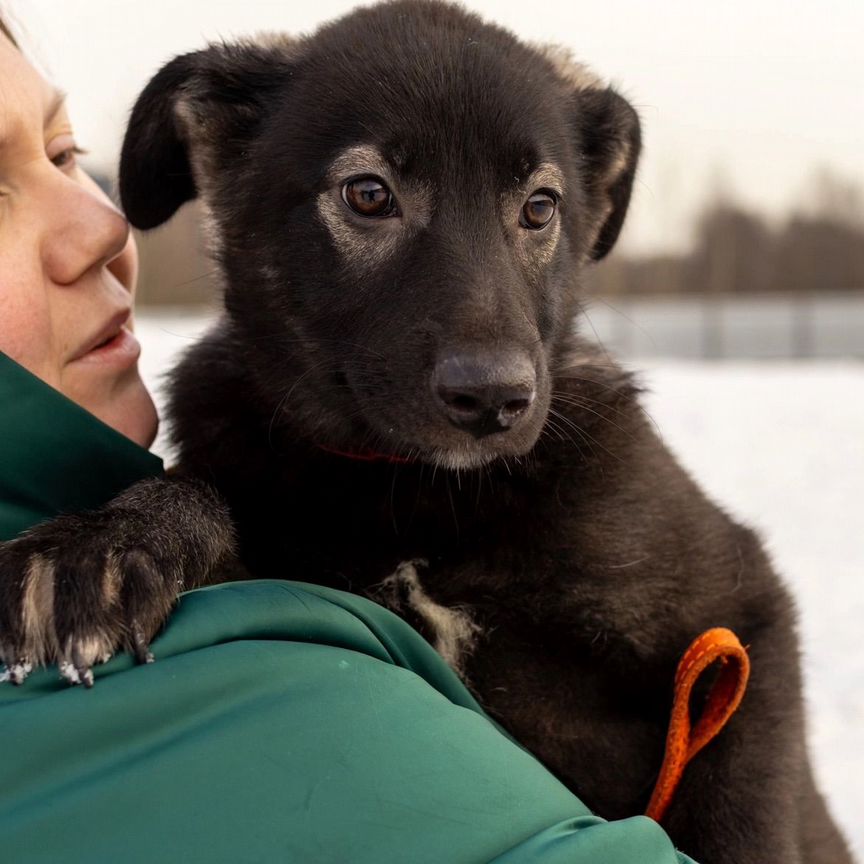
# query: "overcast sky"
[[750, 96]]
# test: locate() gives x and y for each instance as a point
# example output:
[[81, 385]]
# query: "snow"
[[781, 446]]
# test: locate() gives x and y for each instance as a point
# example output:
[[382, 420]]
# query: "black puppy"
[[396, 403]]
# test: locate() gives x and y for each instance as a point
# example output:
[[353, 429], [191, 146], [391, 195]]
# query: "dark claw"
[[142, 649]]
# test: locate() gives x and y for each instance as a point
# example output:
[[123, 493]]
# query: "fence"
[[759, 327]]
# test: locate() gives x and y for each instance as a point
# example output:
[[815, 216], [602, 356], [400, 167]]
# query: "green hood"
[[281, 722], [55, 456]]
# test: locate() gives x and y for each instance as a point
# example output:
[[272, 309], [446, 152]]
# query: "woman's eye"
[[538, 210], [66, 158], [369, 197]]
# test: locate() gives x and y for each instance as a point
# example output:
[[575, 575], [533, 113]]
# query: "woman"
[[282, 722], [68, 261]]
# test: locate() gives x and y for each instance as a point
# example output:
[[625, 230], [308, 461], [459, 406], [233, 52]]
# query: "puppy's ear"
[[608, 141], [197, 112], [155, 174]]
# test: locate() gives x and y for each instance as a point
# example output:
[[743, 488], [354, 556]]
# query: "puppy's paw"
[[77, 589]]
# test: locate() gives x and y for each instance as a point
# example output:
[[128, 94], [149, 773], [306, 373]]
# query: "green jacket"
[[282, 722]]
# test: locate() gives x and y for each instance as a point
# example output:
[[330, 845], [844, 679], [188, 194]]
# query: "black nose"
[[484, 392]]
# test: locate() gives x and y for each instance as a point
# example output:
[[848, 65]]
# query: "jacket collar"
[[56, 457]]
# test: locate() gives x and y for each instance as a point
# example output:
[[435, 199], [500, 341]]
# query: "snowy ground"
[[781, 445]]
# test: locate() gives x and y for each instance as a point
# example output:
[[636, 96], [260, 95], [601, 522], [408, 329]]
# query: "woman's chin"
[[127, 407]]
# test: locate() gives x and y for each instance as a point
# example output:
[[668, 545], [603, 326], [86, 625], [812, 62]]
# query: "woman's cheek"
[[25, 332]]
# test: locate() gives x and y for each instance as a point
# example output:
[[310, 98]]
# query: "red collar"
[[366, 455]]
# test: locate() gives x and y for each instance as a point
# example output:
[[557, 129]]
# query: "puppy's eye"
[[538, 210], [368, 196]]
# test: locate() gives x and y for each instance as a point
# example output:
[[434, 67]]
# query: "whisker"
[[584, 312], [452, 506], [587, 436], [287, 396], [618, 426], [579, 431], [638, 405], [579, 401]]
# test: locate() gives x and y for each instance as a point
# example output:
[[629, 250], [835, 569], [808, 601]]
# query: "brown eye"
[[538, 211], [368, 196]]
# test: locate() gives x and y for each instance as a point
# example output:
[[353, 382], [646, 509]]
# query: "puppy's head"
[[400, 205]]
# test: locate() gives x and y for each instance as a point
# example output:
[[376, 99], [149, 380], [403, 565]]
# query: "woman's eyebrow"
[[56, 101], [55, 104]]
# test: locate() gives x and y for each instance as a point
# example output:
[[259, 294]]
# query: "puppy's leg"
[[77, 588]]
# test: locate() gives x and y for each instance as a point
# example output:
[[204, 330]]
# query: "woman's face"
[[68, 264]]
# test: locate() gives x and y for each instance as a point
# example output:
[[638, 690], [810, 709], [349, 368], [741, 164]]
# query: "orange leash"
[[683, 742]]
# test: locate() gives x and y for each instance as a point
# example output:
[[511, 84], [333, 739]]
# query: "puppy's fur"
[[558, 556]]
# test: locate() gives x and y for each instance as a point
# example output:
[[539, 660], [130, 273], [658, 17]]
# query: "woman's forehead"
[[27, 101]]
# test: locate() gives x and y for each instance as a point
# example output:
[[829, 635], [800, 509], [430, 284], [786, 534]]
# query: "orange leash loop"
[[682, 741]]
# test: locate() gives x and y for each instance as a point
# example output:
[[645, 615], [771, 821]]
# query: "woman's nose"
[[84, 231]]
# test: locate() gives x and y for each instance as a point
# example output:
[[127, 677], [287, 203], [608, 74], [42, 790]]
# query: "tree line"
[[737, 251]]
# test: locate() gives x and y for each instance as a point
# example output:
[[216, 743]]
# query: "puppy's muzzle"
[[484, 392]]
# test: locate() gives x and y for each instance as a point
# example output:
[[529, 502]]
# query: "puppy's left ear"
[[608, 141]]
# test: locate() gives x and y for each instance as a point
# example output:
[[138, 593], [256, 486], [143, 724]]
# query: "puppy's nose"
[[486, 392]]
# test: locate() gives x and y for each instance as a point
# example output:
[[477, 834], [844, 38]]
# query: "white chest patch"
[[453, 631]]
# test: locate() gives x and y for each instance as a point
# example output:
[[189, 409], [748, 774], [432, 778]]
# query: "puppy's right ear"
[[155, 172], [196, 112]]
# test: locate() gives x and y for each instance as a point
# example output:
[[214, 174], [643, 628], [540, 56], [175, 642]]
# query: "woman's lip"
[[105, 333], [121, 350]]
